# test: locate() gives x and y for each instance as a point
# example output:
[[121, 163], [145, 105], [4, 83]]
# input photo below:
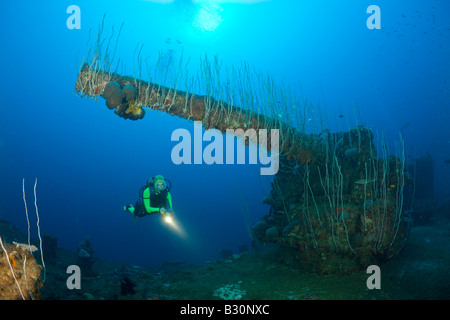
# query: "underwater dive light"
[[168, 219], [167, 215]]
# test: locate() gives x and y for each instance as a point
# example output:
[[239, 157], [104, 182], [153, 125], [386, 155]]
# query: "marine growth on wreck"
[[21, 274], [341, 215], [335, 206]]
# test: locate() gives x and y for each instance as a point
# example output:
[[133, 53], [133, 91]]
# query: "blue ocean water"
[[89, 162]]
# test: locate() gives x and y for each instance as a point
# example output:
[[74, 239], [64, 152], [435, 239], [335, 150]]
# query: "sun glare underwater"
[[228, 149]]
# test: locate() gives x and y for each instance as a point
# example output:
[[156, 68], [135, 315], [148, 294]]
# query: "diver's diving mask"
[[160, 185]]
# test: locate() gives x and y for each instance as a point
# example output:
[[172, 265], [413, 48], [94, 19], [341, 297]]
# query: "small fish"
[[447, 161], [364, 181], [406, 125], [340, 116]]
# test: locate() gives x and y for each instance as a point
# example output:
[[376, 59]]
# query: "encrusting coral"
[[20, 266], [122, 100]]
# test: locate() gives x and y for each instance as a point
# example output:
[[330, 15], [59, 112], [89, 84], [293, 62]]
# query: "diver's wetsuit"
[[150, 202]]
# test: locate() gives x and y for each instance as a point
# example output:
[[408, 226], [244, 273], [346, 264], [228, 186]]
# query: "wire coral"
[[319, 172], [246, 100]]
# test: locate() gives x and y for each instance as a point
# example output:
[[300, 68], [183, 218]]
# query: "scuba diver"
[[154, 198]]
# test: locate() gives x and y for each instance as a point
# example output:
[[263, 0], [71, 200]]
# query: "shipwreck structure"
[[336, 204]]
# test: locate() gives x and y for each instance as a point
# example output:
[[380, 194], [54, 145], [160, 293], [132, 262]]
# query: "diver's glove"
[[166, 212]]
